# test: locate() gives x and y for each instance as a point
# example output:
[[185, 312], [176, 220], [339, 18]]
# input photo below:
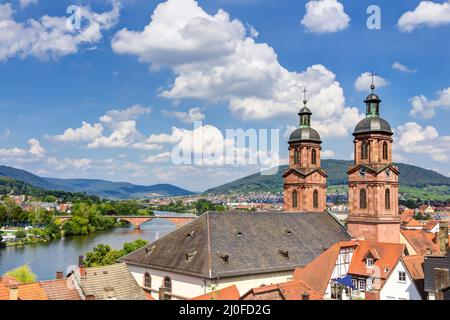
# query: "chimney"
[[441, 280], [14, 293], [80, 261], [59, 275], [443, 237], [162, 293], [305, 296]]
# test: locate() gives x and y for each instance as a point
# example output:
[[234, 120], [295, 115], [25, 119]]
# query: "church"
[[254, 249]]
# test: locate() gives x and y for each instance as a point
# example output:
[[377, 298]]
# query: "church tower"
[[373, 180], [305, 182]]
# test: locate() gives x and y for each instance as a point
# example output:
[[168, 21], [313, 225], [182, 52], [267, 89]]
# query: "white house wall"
[[190, 286], [393, 289]]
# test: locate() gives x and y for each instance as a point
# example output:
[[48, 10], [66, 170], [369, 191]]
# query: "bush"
[[22, 274]]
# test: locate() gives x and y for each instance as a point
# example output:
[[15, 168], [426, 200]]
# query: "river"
[[45, 259]]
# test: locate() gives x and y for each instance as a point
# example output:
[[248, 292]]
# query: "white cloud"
[[68, 163], [12, 152], [51, 37], [26, 3], [214, 59], [327, 154], [193, 114], [87, 132], [424, 108], [36, 148], [402, 68], [325, 16], [364, 81], [427, 13], [415, 139], [159, 158]]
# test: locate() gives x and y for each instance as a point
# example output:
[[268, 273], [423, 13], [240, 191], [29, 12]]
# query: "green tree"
[[22, 274], [133, 246], [102, 255], [21, 234]]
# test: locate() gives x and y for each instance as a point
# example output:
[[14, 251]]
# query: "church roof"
[[305, 134], [226, 244], [305, 172], [373, 124]]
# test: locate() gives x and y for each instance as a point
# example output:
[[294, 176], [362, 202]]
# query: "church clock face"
[[388, 173], [362, 172]]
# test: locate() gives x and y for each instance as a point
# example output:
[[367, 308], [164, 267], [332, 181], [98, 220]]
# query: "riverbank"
[[45, 258]]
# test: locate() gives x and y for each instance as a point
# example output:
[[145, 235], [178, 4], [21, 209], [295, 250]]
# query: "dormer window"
[[369, 262]]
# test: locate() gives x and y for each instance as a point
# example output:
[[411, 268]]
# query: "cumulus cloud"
[[364, 81], [415, 139], [325, 16], [159, 158], [427, 13], [26, 3], [327, 154], [424, 108], [193, 114], [215, 59], [402, 68], [51, 37], [36, 148], [87, 132]]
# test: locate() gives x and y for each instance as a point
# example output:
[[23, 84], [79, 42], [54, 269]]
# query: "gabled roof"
[[291, 290], [414, 264], [60, 289], [226, 244], [304, 172], [228, 293], [389, 254], [374, 170], [412, 223], [116, 278], [430, 224], [317, 273], [420, 241]]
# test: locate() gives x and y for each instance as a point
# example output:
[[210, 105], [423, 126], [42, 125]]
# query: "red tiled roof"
[[430, 224], [414, 264], [4, 292], [32, 291], [412, 223], [318, 272], [10, 281], [291, 290], [420, 241], [388, 256], [60, 289], [228, 293]]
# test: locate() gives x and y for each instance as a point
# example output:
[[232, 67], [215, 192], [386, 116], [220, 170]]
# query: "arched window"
[[316, 199], [147, 280], [167, 287], [387, 199], [362, 199], [313, 156], [296, 156], [294, 199], [385, 150], [364, 150]]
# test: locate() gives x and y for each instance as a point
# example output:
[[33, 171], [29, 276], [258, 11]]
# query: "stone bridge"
[[137, 221]]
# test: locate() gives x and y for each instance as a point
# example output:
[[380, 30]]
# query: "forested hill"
[[411, 176]]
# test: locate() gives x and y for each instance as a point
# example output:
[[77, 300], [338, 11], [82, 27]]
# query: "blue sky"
[[111, 100]]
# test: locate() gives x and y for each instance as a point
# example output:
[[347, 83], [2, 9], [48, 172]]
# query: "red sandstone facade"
[[305, 181], [373, 180]]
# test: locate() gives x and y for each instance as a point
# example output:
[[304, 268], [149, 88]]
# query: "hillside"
[[101, 188], [411, 176]]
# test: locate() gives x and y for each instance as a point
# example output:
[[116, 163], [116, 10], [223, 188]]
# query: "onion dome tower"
[[305, 181], [373, 179]]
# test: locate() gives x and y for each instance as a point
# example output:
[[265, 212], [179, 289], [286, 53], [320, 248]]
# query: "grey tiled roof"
[[374, 124], [225, 244], [305, 134], [429, 264], [115, 278]]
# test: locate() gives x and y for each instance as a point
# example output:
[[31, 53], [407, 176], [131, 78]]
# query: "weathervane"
[[372, 74]]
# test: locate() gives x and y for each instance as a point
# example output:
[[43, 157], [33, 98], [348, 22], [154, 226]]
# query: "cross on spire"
[[304, 96], [372, 74]]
